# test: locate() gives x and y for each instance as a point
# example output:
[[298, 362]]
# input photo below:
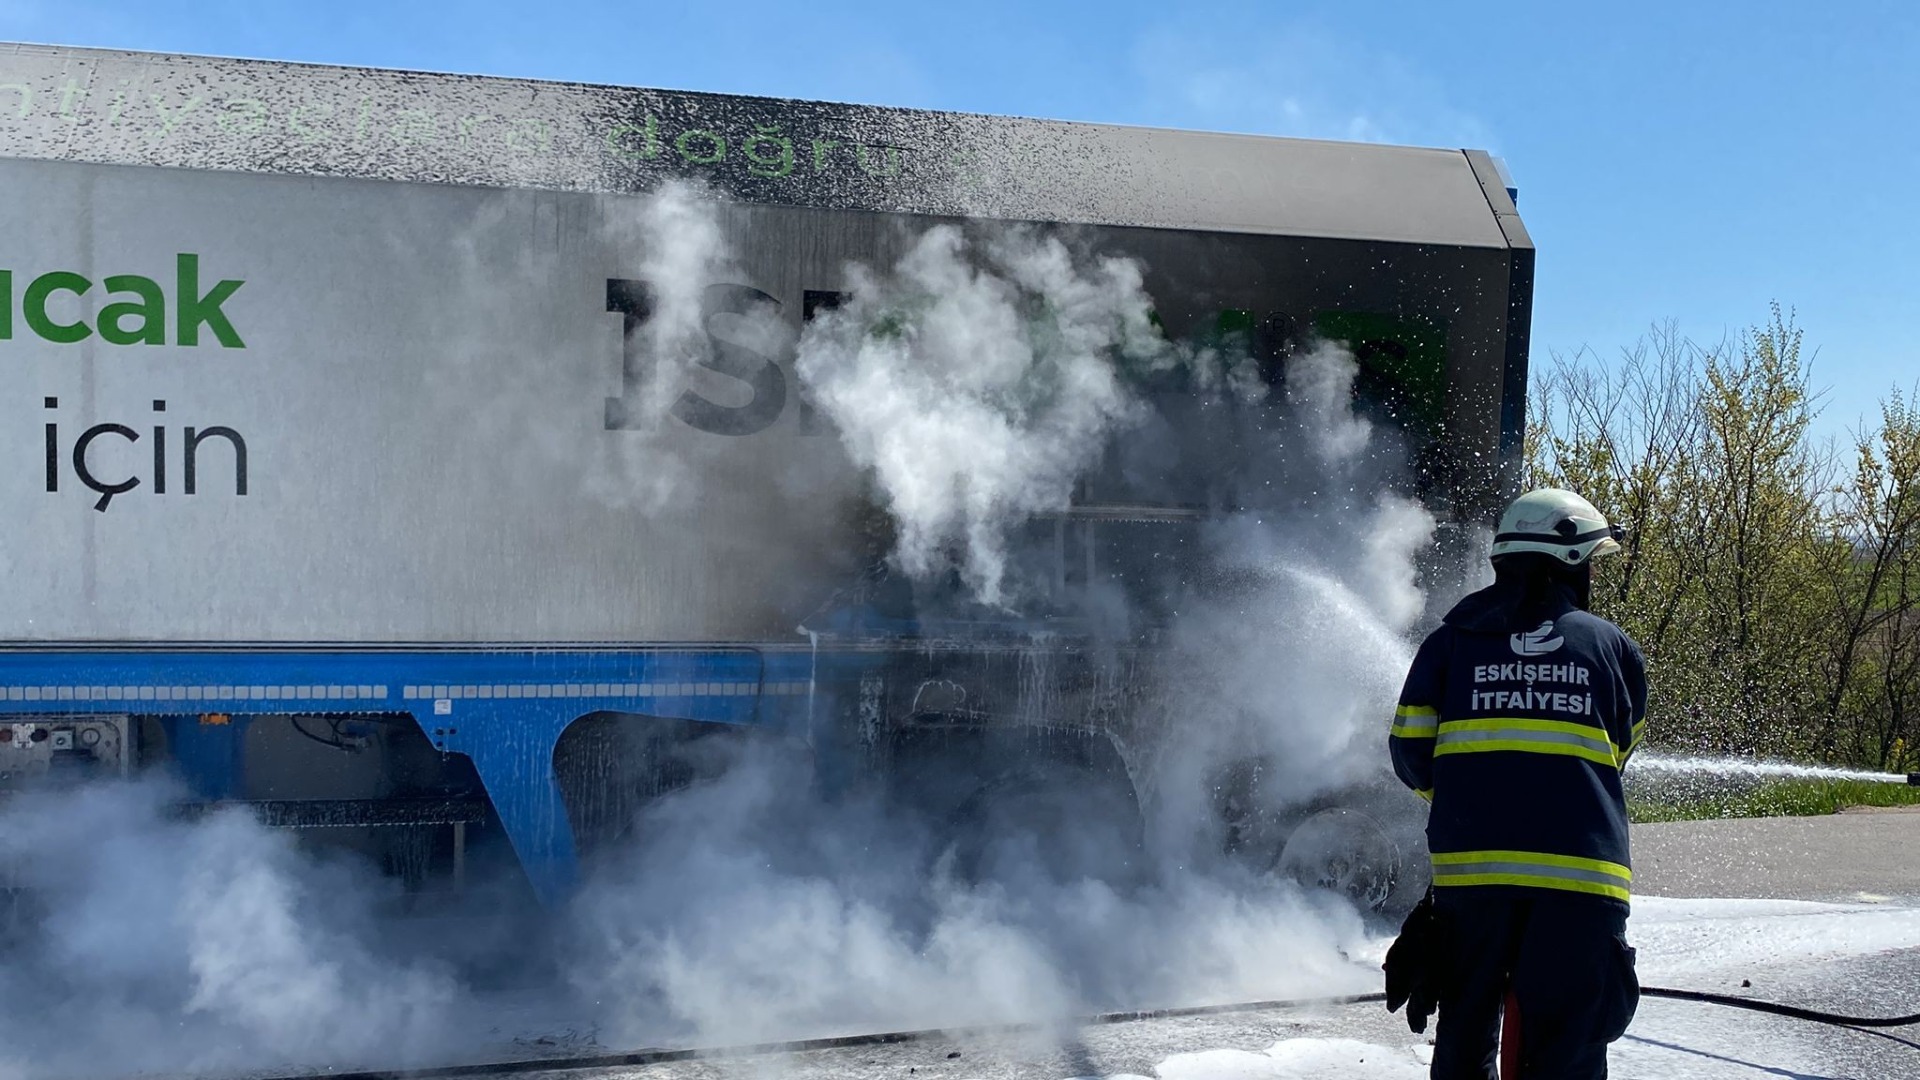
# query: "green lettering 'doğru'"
[[157, 118], [195, 309]]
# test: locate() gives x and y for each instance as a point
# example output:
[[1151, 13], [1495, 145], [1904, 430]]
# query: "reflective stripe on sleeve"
[[1527, 736], [1415, 721], [1568, 873]]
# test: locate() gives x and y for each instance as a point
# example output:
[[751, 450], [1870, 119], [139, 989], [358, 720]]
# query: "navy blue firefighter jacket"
[[1515, 721]]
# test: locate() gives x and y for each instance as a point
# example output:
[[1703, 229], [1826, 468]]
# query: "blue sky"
[[1675, 160]]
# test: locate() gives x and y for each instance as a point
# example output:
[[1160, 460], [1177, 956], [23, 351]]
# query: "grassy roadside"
[[1776, 798]]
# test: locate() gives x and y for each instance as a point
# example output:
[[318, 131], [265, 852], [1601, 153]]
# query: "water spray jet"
[[1747, 768]]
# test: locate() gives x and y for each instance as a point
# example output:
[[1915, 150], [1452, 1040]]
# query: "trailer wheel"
[[1345, 851], [612, 765]]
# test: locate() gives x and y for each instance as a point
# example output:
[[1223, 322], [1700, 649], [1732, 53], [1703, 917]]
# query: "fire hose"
[[1777, 1009]]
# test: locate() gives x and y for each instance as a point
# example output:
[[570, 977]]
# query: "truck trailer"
[[320, 462]]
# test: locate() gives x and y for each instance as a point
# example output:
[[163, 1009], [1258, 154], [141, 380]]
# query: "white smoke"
[[751, 913], [161, 943], [487, 374], [1295, 663], [682, 251], [979, 381]]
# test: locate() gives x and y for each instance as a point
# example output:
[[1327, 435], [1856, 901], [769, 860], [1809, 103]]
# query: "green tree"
[[1873, 676], [1750, 528], [1728, 578]]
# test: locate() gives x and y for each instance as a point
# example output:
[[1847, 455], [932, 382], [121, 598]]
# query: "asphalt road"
[[1859, 855], [1869, 858]]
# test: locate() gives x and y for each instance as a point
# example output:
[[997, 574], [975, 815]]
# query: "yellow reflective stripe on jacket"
[[1535, 869], [1527, 736], [1639, 729], [1415, 721], [1425, 793]]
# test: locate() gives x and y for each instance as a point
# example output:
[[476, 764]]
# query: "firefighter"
[[1516, 719]]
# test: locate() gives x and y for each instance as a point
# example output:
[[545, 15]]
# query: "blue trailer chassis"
[[504, 707]]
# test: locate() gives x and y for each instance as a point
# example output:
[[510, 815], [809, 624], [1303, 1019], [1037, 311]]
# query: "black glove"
[[1412, 965]]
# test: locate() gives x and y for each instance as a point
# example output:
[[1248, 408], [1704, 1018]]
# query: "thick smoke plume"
[[980, 379], [1292, 665], [672, 243], [751, 912], [136, 940], [682, 251], [977, 381]]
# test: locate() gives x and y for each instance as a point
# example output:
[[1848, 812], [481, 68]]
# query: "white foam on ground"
[[1300, 1059], [1709, 939], [1696, 944]]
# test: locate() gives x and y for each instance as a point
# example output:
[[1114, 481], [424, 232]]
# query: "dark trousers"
[[1565, 958]]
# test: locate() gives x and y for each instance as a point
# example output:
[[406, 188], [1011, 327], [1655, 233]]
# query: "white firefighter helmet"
[[1556, 522]]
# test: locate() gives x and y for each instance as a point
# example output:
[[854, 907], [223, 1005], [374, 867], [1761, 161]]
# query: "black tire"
[[1345, 851]]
